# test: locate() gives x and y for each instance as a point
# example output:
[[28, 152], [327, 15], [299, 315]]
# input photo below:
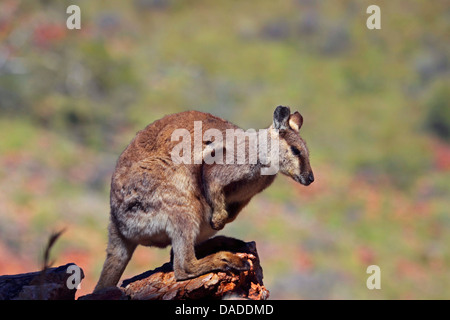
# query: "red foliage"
[[47, 34], [365, 255], [441, 153]]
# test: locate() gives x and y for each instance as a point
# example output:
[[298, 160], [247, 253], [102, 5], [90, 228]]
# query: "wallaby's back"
[[155, 139]]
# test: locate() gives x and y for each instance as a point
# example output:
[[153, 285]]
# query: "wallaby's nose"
[[311, 178]]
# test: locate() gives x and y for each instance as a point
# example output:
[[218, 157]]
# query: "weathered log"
[[48, 285]]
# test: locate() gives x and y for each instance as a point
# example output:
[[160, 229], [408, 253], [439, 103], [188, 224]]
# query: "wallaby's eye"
[[295, 151]]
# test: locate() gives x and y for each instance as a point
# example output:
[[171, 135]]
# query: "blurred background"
[[376, 118]]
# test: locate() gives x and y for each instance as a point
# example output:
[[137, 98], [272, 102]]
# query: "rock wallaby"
[[157, 202]]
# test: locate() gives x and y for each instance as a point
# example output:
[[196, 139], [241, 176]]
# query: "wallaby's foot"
[[233, 262], [219, 243], [221, 261], [218, 219], [214, 245]]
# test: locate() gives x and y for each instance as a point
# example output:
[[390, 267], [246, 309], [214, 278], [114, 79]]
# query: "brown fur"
[[155, 202]]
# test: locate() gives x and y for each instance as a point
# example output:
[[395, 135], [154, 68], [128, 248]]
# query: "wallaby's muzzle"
[[305, 179]]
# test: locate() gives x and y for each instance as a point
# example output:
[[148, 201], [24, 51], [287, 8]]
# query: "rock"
[[110, 293], [50, 285]]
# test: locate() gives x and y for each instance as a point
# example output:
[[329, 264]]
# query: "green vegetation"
[[376, 110]]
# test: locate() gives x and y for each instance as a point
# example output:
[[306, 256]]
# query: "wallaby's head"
[[293, 152]]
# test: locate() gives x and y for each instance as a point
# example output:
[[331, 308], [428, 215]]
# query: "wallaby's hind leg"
[[186, 265], [219, 243], [118, 254], [214, 245]]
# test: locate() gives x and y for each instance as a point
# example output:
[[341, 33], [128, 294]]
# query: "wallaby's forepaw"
[[217, 225], [218, 220]]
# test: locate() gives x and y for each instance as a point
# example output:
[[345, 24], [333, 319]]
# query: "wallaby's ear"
[[295, 121], [281, 117]]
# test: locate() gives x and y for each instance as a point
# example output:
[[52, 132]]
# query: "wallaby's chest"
[[244, 190]]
